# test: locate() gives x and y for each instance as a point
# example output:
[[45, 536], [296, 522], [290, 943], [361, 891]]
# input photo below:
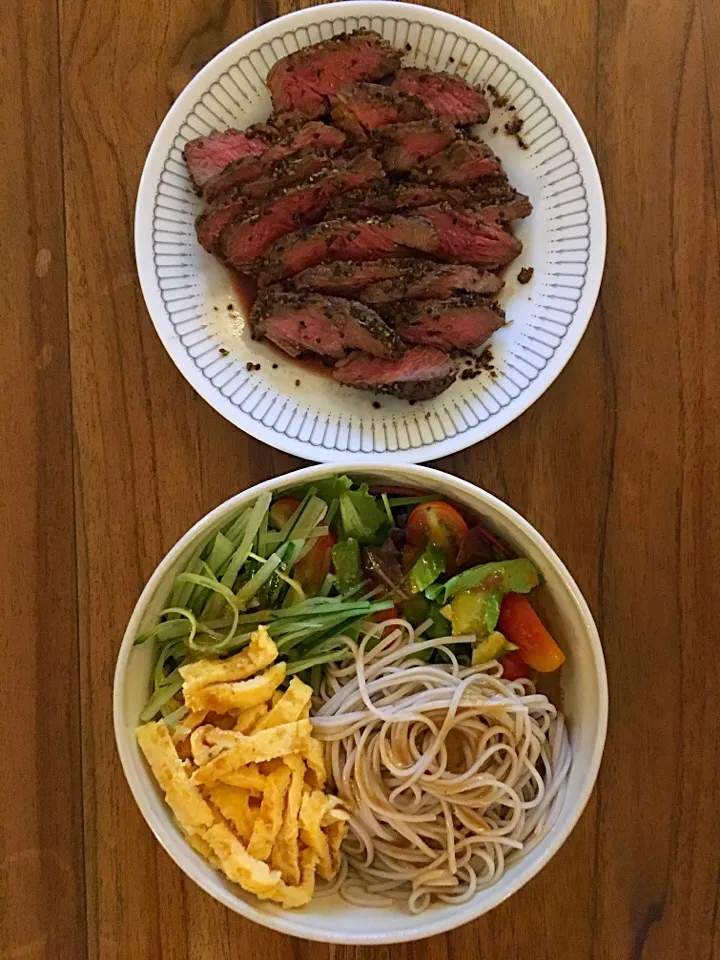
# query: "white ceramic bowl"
[[196, 312], [584, 701]]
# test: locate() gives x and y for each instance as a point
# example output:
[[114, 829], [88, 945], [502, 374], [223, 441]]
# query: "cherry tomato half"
[[311, 570], [281, 511], [440, 524]]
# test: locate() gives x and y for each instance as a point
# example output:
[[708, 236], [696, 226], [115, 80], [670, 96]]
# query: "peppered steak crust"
[[380, 283], [387, 196], [243, 242], [206, 156], [303, 80], [312, 137], [419, 374], [461, 163], [363, 108], [372, 239], [445, 95], [463, 322], [327, 326]]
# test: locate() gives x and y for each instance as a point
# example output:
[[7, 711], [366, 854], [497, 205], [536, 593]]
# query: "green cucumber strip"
[[160, 697], [311, 516], [255, 519], [298, 666], [237, 527], [249, 589]]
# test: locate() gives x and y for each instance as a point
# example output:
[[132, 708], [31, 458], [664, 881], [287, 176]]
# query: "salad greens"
[[314, 565]]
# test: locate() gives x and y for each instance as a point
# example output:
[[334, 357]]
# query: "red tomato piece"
[[440, 524], [514, 667]]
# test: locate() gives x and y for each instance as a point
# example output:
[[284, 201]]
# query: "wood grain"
[[41, 845], [617, 465]]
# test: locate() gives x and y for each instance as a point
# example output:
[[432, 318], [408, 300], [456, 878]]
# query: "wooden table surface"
[[107, 457]]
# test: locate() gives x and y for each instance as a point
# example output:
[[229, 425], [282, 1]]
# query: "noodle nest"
[[450, 772]]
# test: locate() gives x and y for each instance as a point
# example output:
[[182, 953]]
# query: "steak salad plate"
[[376, 196]]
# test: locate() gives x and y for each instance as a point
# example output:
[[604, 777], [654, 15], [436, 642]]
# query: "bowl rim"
[[196, 378], [292, 923]]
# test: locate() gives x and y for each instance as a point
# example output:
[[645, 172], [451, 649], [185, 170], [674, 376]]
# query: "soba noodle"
[[450, 772]]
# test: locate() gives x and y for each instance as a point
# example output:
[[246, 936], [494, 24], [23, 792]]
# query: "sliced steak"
[[496, 195], [466, 237], [402, 146], [493, 194], [243, 241], [382, 282], [447, 96], [207, 156], [303, 80], [287, 173], [312, 137], [245, 199], [460, 323], [425, 280], [364, 107], [462, 162], [419, 374], [374, 239], [211, 222], [392, 196], [327, 326], [348, 279]]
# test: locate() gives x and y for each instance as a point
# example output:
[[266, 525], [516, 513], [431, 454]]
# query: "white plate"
[[583, 695], [189, 294]]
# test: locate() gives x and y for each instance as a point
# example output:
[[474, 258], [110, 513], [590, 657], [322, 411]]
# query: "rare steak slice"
[[365, 107], [426, 280], [314, 137], [392, 196], [327, 326], [347, 279], [211, 222], [243, 241], [459, 323], [379, 283], [207, 156], [287, 173], [373, 239], [303, 80], [495, 194], [402, 146], [465, 236], [419, 374], [445, 95], [462, 162], [245, 199]]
